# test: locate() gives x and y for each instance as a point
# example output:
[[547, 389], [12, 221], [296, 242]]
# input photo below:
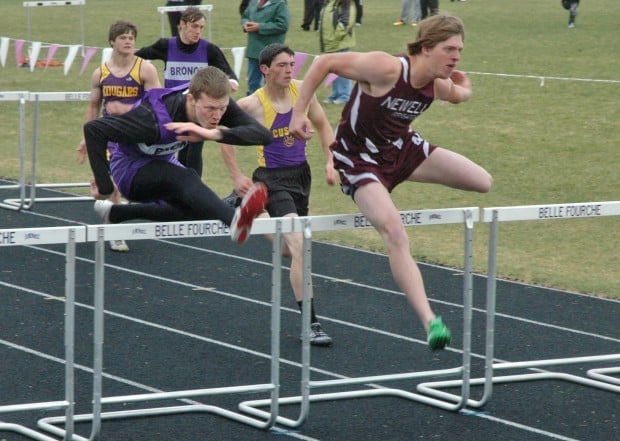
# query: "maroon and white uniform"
[[374, 138]]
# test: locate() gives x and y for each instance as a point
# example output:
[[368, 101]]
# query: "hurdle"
[[80, 3], [466, 216], [46, 236], [165, 9], [26, 200], [600, 378], [248, 413], [190, 229]]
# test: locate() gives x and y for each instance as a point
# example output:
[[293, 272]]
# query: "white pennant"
[[71, 56], [4, 49], [34, 54], [238, 53]]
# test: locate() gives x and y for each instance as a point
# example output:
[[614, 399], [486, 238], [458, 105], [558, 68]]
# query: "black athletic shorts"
[[289, 188]]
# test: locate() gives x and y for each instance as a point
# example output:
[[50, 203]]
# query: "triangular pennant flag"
[[238, 53], [71, 56], [330, 79], [50, 54], [34, 54], [4, 49], [106, 54], [90, 51], [300, 59], [19, 44]]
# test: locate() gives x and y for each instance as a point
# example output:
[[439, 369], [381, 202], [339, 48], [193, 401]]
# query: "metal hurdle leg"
[[69, 323], [21, 97], [598, 378], [467, 217], [97, 416]]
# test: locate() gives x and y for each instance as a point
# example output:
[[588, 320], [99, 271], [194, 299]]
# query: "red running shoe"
[[252, 204]]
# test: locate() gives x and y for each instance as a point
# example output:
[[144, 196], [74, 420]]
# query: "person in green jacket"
[[265, 22], [336, 35]]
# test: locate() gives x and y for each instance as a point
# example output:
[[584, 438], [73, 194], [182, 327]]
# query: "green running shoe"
[[438, 334]]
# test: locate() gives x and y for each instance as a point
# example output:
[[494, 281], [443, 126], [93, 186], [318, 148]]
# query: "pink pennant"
[[330, 79], [19, 44], [50, 54], [300, 59], [90, 51]]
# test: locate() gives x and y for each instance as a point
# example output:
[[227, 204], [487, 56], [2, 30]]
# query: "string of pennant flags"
[[35, 48]]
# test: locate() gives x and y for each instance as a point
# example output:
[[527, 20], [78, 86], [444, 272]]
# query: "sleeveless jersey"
[[374, 138], [285, 150], [126, 160], [180, 66], [127, 89]]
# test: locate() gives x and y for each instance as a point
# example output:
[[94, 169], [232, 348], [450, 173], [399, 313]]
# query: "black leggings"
[[181, 193]]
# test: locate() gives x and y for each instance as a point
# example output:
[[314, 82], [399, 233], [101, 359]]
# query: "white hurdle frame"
[[598, 377], [466, 216], [259, 418], [103, 233], [164, 9], [24, 201], [45, 236], [80, 3]]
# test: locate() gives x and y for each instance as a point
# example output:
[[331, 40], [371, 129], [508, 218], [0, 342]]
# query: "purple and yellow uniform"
[[285, 150], [127, 89], [282, 163], [382, 148]]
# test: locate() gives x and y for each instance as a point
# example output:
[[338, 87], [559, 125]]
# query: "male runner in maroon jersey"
[[376, 149]]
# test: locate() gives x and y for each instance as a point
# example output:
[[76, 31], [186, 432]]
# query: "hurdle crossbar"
[[27, 199], [467, 217], [597, 377], [80, 3], [163, 10], [46, 236]]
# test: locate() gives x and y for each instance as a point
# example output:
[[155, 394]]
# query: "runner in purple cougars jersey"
[[183, 55], [376, 149], [144, 165]]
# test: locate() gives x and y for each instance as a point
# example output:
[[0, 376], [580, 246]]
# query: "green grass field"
[[543, 120]]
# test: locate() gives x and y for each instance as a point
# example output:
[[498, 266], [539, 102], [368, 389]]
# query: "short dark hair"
[[121, 27], [192, 14], [271, 51]]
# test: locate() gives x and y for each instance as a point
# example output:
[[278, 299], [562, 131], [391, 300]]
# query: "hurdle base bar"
[[50, 424], [251, 407], [600, 381], [25, 431]]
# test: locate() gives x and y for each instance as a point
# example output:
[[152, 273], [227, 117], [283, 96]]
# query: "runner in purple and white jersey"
[[376, 149], [144, 165]]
